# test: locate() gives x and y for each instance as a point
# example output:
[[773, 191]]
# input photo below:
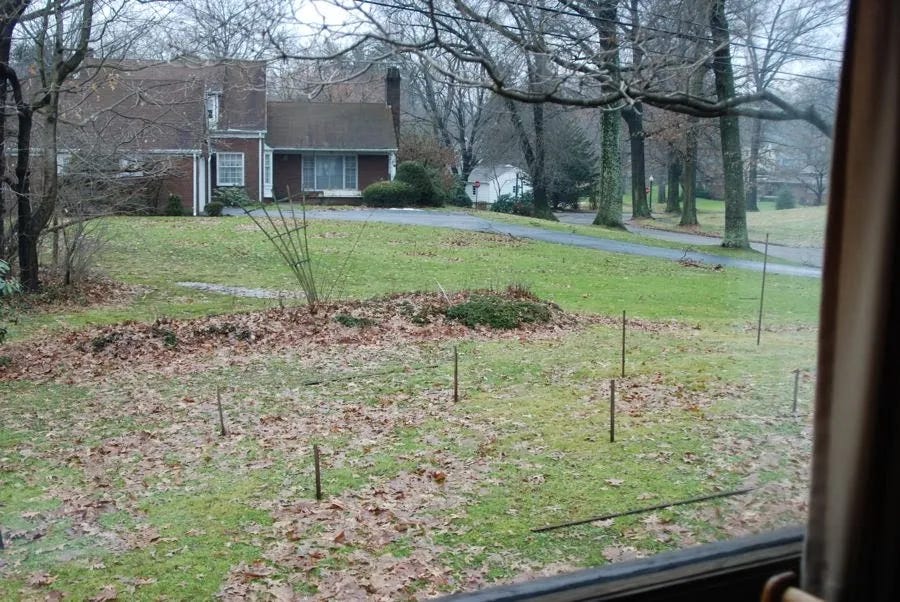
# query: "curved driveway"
[[467, 221]]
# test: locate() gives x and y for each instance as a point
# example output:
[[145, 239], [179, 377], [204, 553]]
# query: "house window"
[[229, 169], [212, 108], [330, 172], [350, 169]]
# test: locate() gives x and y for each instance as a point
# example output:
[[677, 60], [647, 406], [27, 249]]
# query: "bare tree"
[[226, 29], [775, 35], [63, 33], [579, 42], [457, 115]]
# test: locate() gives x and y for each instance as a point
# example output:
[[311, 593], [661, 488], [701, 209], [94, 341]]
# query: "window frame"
[[349, 167], [230, 184], [212, 108]]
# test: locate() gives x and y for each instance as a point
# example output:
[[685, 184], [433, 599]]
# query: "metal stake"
[[762, 293], [455, 375], [612, 411], [222, 431], [318, 472], [623, 343], [796, 386]]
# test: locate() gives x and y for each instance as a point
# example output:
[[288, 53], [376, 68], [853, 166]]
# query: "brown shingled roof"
[[148, 105], [330, 126]]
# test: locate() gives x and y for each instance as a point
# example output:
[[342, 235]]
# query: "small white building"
[[495, 181]]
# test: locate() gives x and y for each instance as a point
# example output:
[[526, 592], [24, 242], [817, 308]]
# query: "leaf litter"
[[347, 546]]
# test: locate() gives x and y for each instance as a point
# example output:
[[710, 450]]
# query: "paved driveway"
[[466, 221]]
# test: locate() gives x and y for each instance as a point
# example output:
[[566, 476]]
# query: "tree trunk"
[[753, 166], [534, 156], [635, 121], [689, 212], [538, 171], [729, 132], [673, 203], [609, 212], [25, 225]]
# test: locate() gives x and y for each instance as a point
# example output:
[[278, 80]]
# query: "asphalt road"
[[475, 223]]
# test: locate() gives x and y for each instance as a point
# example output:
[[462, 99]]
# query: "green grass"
[[535, 414], [625, 236], [90, 465], [800, 227], [364, 260]]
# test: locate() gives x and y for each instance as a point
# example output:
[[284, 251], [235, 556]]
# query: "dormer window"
[[212, 108]]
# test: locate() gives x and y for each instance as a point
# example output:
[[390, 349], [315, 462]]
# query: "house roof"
[[330, 126], [492, 172], [151, 105]]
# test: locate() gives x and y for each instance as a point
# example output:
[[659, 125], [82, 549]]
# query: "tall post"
[[455, 374], [222, 431], [612, 411], [796, 387], [623, 343], [762, 292], [318, 470]]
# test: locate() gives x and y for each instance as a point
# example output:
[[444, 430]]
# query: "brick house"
[[211, 125]]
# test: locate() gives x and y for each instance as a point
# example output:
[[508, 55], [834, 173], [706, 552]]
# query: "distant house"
[[495, 181], [213, 125]]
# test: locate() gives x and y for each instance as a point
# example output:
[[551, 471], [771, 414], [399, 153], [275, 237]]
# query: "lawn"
[[116, 481], [625, 236], [800, 227]]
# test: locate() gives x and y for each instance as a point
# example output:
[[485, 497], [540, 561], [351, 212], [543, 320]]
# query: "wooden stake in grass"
[[612, 411], [1, 541], [796, 387], [623, 343], [318, 470], [762, 293], [455, 375], [222, 431]]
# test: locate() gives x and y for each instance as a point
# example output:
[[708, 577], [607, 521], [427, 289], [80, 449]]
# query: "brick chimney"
[[392, 96]]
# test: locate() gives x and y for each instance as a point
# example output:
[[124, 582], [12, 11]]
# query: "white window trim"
[[212, 108], [219, 182]]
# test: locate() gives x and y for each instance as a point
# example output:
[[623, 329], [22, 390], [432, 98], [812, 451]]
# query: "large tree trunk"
[[673, 201], [753, 166], [729, 132], [25, 224], [635, 121], [609, 212]]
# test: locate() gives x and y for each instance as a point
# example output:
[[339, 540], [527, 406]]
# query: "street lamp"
[[650, 198]]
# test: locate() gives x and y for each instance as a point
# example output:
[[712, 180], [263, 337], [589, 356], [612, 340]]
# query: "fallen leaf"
[[107, 594], [40, 579]]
